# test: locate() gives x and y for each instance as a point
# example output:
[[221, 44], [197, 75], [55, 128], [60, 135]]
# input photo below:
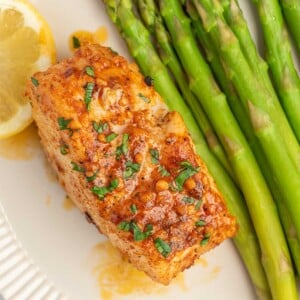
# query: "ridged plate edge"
[[20, 277]]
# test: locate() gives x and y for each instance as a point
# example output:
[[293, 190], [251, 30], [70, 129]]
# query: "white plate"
[[66, 250]]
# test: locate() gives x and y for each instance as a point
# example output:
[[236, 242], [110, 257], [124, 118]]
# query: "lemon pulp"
[[26, 46]]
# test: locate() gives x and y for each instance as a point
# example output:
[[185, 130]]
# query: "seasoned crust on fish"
[[127, 162]]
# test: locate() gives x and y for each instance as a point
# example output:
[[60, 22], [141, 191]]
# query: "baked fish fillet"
[[128, 162]]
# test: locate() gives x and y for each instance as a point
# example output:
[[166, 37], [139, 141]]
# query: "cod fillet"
[[128, 162]]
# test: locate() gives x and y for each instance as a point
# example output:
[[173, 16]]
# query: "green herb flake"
[[63, 123], [92, 178], [133, 208], [111, 137], [187, 164], [64, 149], [163, 171], [200, 223], [101, 191], [77, 168], [205, 239], [154, 156], [88, 94], [90, 71], [188, 200], [162, 247], [124, 225], [34, 81], [100, 127], [123, 148], [113, 184], [144, 98], [198, 204], [76, 42], [139, 235], [131, 169], [187, 171]]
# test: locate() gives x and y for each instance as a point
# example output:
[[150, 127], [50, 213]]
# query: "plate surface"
[[64, 248]]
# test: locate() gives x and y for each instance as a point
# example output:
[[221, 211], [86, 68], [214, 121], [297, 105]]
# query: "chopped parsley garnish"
[[76, 42], [34, 81], [64, 149], [111, 137], [188, 200], [63, 123], [162, 247], [148, 80], [100, 127], [101, 191], [144, 98], [154, 156], [77, 168], [124, 225], [187, 170], [88, 94], [90, 71], [92, 177], [163, 171], [205, 239], [131, 169], [138, 234], [123, 148], [155, 160], [200, 223], [198, 204], [133, 208]]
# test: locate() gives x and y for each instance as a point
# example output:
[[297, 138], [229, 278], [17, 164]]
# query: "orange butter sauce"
[[202, 262], [85, 37], [22, 146], [68, 204], [116, 277]]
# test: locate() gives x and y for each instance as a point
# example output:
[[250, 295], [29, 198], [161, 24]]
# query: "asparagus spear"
[[155, 25], [238, 24], [291, 11], [240, 114], [234, 17], [260, 110], [258, 197], [138, 40], [278, 54]]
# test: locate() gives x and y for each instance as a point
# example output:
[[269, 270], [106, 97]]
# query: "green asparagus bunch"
[[261, 108], [258, 66], [241, 116]]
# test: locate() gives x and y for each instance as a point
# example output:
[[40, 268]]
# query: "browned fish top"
[[126, 160]]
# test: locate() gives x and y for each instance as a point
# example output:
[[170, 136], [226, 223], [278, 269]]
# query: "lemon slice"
[[26, 46]]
